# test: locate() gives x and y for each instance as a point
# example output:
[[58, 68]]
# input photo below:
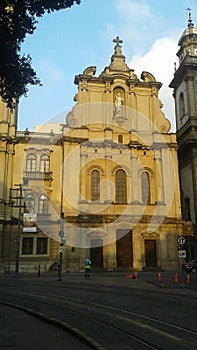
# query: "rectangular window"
[[42, 245], [27, 246]]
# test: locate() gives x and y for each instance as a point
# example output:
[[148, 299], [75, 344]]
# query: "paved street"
[[21, 331]]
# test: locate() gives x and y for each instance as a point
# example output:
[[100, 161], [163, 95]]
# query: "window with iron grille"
[[145, 183], [42, 245], [95, 182], [27, 246]]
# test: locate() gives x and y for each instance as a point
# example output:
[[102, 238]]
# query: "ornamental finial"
[[190, 23]]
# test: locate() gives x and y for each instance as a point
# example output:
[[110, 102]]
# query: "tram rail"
[[113, 321]]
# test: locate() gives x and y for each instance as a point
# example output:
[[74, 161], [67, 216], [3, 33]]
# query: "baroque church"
[[109, 180]]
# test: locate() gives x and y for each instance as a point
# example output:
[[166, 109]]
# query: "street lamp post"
[[17, 240], [61, 248]]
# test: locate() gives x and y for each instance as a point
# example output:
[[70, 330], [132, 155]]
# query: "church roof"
[[118, 63], [190, 32]]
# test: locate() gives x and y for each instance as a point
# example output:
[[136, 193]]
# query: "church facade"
[[102, 182]]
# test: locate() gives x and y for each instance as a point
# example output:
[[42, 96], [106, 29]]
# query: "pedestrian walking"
[[87, 265]]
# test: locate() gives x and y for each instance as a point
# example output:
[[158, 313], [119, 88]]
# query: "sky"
[[66, 42]]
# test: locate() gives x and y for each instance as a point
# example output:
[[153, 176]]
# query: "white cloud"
[[134, 11], [159, 61], [49, 72], [138, 25]]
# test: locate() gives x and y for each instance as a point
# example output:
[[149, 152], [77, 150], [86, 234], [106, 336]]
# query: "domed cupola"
[[188, 41]]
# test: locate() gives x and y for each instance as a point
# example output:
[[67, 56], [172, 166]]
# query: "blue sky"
[[66, 42]]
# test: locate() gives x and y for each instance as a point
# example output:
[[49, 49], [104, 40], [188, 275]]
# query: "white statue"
[[118, 103]]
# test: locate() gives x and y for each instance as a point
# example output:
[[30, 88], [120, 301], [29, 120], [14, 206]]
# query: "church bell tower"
[[184, 84]]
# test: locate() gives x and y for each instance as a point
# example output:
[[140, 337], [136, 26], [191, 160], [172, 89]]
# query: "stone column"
[[108, 175], [83, 179], [133, 108], [134, 178]]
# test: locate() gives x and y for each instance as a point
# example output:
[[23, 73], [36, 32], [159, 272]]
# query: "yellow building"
[[105, 178]]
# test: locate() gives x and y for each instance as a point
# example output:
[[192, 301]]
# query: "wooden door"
[[150, 253], [96, 253], [124, 248]]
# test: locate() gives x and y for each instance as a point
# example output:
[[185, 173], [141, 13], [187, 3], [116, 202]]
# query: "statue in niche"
[[118, 104]]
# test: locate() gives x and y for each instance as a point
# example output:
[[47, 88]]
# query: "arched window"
[[181, 105], [44, 163], [95, 182], [43, 206], [121, 186], [31, 162], [30, 203], [120, 139], [145, 185]]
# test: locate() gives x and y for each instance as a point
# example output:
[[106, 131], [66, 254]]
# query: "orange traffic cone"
[[188, 279], [176, 278], [159, 277]]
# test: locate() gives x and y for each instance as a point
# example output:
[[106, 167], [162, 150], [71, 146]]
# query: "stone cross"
[[118, 41]]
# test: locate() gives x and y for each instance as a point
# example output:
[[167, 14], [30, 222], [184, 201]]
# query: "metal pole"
[[63, 240], [60, 267], [17, 241]]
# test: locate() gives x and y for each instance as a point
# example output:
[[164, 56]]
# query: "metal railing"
[[37, 174]]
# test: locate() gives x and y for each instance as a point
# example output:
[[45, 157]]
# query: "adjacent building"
[[184, 84]]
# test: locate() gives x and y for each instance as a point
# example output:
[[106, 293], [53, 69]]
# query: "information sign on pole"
[[182, 254], [61, 248], [181, 240]]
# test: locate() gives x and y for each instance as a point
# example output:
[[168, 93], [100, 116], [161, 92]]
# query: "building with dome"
[[104, 182]]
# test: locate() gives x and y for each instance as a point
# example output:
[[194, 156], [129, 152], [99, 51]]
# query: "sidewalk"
[[21, 331], [145, 279]]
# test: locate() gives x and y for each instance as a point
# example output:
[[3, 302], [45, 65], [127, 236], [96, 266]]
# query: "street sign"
[[181, 247], [182, 254], [181, 240]]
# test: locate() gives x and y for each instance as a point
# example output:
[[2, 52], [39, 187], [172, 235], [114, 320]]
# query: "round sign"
[[181, 240]]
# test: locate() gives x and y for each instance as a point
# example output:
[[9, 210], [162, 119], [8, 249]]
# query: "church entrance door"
[[96, 253], [124, 248], [150, 253]]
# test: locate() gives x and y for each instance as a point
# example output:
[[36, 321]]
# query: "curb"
[[65, 326]]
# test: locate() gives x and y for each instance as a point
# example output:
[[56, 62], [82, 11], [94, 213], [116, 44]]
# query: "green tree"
[[17, 19]]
